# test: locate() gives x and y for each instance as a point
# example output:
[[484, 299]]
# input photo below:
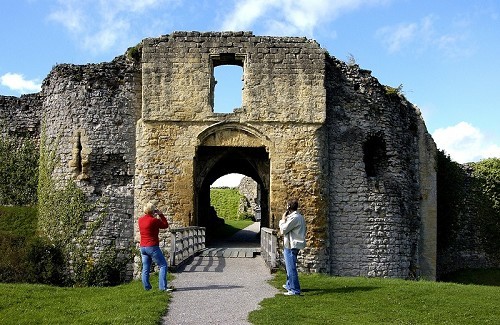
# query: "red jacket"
[[149, 227]]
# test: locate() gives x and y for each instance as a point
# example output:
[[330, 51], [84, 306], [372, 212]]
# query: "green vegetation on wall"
[[487, 196], [451, 194], [18, 171], [63, 216], [468, 198]]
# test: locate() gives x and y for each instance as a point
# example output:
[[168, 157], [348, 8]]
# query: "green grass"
[[230, 228], [41, 304], [233, 226], [226, 202], [347, 300]]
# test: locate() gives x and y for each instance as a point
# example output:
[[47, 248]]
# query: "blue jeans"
[[149, 254], [292, 276]]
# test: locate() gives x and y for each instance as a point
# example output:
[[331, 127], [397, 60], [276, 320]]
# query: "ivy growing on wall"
[[451, 194], [18, 171], [63, 217], [468, 198], [486, 175]]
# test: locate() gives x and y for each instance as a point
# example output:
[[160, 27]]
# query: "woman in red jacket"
[[149, 227]]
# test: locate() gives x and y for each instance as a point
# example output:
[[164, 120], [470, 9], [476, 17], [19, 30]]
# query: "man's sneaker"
[[169, 289], [284, 287], [291, 293]]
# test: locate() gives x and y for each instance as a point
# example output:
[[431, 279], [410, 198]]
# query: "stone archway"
[[224, 149]]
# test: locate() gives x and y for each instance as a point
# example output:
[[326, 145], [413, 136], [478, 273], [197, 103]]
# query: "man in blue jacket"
[[293, 228]]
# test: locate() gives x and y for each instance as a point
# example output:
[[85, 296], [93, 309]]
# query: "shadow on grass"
[[339, 290], [488, 277], [209, 287]]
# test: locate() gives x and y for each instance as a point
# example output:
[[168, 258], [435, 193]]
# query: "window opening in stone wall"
[[76, 153], [374, 156], [228, 88], [227, 83], [79, 157]]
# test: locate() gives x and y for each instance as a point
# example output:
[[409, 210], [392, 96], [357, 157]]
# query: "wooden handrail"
[[269, 246], [185, 242]]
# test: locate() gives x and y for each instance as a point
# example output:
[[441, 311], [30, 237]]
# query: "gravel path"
[[218, 290]]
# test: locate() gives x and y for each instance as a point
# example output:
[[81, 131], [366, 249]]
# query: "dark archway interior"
[[213, 162]]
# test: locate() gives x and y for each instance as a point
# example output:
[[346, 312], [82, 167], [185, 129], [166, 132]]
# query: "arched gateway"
[[230, 148], [356, 155]]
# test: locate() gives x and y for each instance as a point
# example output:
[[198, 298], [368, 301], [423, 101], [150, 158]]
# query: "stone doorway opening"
[[212, 162]]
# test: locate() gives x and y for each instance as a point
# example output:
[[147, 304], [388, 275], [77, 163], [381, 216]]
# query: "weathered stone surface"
[[20, 116]]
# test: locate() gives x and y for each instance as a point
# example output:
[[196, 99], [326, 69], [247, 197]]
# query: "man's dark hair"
[[293, 205]]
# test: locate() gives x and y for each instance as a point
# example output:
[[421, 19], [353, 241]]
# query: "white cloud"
[[70, 16], [424, 35], [395, 37], [229, 180], [465, 143], [288, 17], [246, 14], [16, 82], [102, 24]]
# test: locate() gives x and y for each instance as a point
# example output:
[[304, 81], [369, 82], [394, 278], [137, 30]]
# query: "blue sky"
[[445, 53]]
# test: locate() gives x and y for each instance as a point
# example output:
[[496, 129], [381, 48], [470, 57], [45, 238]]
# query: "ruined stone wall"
[[20, 116], [466, 236], [90, 113], [180, 66], [283, 102], [251, 203], [374, 198], [357, 157]]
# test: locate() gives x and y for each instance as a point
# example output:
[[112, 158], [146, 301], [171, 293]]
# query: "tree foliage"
[[486, 175], [488, 172]]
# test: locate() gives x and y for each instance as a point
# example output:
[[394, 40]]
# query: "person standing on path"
[[149, 227], [293, 228]]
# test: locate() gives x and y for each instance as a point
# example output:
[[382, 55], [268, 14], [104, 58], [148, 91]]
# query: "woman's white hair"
[[149, 208]]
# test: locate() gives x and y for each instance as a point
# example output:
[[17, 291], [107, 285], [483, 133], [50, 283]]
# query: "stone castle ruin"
[[355, 153]]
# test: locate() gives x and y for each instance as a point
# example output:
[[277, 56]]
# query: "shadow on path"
[[247, 237], [218, 289]]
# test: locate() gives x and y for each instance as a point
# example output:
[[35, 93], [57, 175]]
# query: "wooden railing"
[[269, 247], [185, 242]]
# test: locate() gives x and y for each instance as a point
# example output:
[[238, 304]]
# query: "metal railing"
[[185, 242], [269, 246]]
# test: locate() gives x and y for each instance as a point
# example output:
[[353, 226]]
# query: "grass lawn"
[[347, 300], [41, 304], [325, 300]]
